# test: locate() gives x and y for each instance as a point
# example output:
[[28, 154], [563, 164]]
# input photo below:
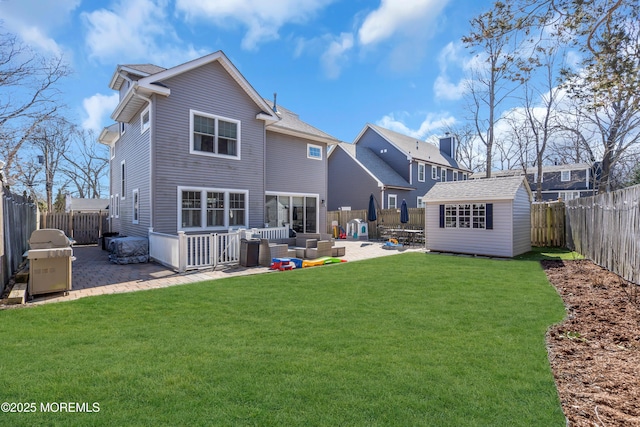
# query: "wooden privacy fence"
[[18, 219], [547, 224], [387, 218], [606, 229], [85, 228]]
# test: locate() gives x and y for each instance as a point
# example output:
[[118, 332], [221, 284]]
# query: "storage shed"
[[481, 217]]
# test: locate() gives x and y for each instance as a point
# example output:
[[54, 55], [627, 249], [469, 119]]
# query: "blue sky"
[[338, 64]]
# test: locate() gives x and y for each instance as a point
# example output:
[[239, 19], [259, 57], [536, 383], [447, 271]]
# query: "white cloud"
[[394, 17], [134, 30], [97, 109], [263, 19], [430, 124], [451, 61], [335, 57], [32, 20]]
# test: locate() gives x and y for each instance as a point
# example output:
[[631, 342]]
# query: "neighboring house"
[[197, 150], [481, 217], [78, 205], [566, 182], [391, 166]]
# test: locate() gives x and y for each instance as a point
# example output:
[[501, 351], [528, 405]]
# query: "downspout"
[[151, 168]]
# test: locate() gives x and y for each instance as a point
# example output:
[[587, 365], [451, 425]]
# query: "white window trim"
[[203, 208], [123, 179], [112, 206], [117, 207], [458, 207], [434, 173], [309, 147], [424, 172], [420, 202], [304, 195], [135, 210], [123, 128], [145, 126], [562, 174], [443, 175], [193, 113], [395, 201]]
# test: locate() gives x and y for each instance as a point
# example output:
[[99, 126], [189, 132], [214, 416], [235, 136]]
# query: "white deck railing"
[[193, 251]]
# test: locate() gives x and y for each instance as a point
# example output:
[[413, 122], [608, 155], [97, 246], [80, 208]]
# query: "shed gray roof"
[[426, 151], [375, 166], [476, 190]]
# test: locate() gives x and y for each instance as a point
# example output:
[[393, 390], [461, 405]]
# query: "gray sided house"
[[566, 182], [481, 217], [391, 166], [196, 149]]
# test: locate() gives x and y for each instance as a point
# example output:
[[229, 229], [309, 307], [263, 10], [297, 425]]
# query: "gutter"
[[151, 169]]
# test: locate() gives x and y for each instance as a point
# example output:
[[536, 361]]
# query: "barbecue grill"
[[50, 259]]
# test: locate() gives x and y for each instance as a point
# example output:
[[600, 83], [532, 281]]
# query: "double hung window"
[[214, 135]]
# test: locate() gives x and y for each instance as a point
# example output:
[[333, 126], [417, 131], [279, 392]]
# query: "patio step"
[[18, 294]]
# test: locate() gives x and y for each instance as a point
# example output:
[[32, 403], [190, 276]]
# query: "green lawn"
[[410, 339]]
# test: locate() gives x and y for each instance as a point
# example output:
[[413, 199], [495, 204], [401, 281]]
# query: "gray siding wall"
[[496, 242], [349, 184], [521, 222], [133, 148], [288, 170], [209, 89], [393, 157]]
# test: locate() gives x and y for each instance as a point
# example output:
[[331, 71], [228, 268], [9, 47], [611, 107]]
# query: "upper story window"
[[145, 120], [434, 173], [455, 175], [565, 176], [443, 175], [314, 152], [214, 136], [123, 129], [421, 172]]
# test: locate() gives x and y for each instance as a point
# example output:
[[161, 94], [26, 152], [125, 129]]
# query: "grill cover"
[[48, 238]]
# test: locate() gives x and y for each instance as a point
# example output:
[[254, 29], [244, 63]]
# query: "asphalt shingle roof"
[[375, 165], [426, 151], [475, 189], [291, 121]]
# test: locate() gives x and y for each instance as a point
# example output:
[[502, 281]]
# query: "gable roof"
[[373, 165], [291, 124], [412, 148], [151, 84], [534, 169], [477, 190]]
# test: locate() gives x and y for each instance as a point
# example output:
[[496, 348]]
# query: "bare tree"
[[87, 165], [495, 41], [467, 154], [51, 138], [28, 90]]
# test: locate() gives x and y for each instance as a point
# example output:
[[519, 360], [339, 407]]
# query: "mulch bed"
[[595, 351]]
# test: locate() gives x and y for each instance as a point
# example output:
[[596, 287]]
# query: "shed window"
[[463, 215]]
